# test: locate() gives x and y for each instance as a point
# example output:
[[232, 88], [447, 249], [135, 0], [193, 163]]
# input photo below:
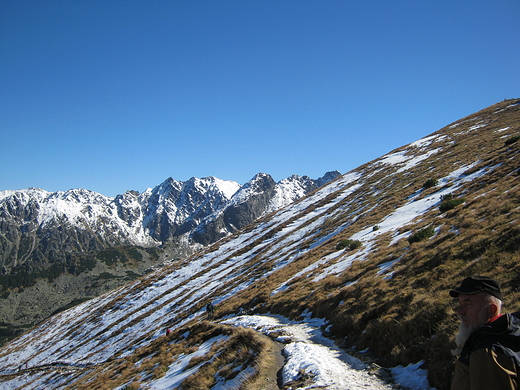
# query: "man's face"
[[473, 310]]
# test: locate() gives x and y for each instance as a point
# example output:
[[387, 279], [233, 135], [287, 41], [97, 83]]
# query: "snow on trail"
[[307, 351]]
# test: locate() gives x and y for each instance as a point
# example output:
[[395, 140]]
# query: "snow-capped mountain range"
[[39, 225], [73, 245]]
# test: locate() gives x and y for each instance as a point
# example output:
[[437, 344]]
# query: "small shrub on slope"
[[422, 234], [349, 244], [430, 183], [450, 204], [512, 140]]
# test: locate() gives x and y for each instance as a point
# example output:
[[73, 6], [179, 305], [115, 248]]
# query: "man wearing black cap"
[[488, 342]]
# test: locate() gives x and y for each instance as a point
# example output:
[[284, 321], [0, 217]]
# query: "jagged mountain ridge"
[[256, 198], [49, 224], [289, 262]]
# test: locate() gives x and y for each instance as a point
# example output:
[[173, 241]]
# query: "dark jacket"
[[490, 359]]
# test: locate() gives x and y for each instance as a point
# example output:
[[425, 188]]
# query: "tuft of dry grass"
[[244, 349]]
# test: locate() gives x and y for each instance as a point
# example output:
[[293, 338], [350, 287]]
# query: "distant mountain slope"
[[373, 252]]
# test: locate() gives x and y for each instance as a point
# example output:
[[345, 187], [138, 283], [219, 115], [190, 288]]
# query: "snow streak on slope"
[[401, 217], [178, 370], [398, 219]]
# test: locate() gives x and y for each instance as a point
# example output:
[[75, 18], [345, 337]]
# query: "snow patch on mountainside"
[[288, 191], [251, 188]]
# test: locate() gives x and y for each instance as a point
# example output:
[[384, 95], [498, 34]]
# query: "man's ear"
[[493, 310]]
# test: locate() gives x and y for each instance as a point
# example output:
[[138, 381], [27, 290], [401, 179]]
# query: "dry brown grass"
[[243, 349]]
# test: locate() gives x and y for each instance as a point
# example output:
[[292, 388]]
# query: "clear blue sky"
[[120, 95]]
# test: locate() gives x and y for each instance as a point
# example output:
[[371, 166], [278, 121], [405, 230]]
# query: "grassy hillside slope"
[[408, 316], [374, 253]]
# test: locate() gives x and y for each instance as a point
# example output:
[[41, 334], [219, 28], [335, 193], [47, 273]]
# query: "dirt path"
[[273, 380], [270, 368]]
